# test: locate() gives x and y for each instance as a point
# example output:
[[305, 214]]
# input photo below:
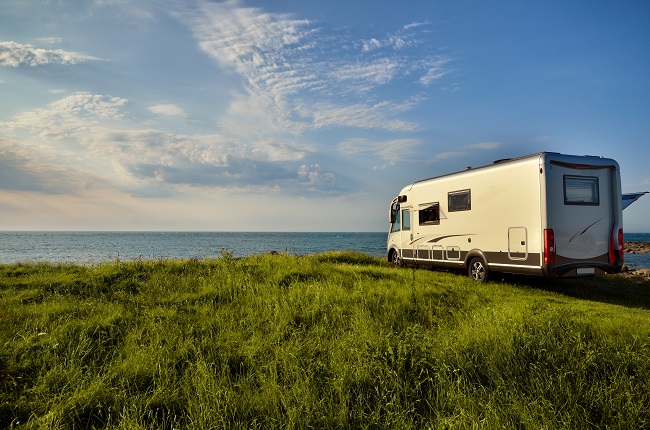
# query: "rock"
[[637, 247], [643, 272]]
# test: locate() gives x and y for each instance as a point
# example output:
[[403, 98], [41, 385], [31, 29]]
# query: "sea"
[[98, 247]]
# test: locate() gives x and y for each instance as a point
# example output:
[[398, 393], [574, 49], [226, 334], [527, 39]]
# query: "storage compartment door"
[[517, 243]]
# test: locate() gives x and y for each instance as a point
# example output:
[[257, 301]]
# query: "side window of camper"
[[406, 219], [460, 201], [430, 214], [581, 190], [396, 226]]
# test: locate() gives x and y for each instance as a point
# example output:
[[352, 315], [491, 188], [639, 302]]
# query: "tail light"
[[549, 246], [616, 245]]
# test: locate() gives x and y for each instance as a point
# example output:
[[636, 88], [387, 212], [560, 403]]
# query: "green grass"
[[337, 340]]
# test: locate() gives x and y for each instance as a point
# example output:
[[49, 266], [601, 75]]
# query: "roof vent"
[[502, 160]]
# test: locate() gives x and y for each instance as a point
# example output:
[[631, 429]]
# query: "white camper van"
[[545, 214]]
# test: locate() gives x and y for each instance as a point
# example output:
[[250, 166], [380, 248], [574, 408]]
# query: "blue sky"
[[301, 115]]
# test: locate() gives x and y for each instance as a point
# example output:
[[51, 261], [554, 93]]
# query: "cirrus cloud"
[[13, 54], [298, 76]]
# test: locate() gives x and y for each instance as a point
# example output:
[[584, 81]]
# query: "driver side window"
[[396, 226]]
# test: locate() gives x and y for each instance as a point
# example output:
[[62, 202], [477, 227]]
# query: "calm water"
[[89, 247]]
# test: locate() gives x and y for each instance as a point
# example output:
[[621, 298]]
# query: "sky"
[[295, 115]]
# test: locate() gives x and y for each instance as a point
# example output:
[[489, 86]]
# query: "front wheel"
[[395, 259], [478, 270]]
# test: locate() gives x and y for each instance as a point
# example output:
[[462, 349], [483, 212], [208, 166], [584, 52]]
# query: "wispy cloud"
[[50, 40], [68, 117], [391, 151], [167, 110], [395, 41], [14, 54], [298, 75], [436, 69], [86, 129], [365, 76], [317, 179], [370, 117], [415, 25]]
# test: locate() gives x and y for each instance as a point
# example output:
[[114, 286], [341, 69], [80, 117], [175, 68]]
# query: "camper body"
[[544, 214]]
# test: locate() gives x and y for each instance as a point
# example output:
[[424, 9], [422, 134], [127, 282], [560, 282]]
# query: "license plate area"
[[585, 271]]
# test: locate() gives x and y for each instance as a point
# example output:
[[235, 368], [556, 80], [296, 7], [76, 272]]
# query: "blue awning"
[[630, 198]]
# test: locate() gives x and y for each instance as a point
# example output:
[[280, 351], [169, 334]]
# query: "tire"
[[395, 259], [478, 270]]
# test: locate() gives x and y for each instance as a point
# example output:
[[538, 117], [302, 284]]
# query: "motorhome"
[[545, 214]]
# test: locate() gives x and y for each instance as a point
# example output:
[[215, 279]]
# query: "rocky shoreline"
[[637, 248]]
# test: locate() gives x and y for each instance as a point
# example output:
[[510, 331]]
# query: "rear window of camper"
[[581, 190], [460, 201]]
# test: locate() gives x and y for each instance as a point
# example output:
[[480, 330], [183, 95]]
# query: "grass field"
[[336, 340]]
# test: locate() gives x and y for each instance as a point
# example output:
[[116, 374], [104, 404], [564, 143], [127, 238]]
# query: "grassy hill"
[[337, 340]]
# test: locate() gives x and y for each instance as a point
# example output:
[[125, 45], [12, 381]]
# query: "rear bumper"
[[580, 269]]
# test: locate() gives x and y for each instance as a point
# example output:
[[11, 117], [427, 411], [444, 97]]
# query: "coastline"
[[637, 247], [633, 247]]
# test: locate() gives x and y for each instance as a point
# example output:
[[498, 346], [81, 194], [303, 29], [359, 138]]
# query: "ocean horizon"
[[90, 247], [85, 247]]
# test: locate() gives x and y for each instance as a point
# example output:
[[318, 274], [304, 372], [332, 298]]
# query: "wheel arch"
[[475, 253]]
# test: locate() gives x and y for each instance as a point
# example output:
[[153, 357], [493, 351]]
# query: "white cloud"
[[167, 110], [292, 69], [395, 42], [436, 69], [253, 43], [380, 71], [314, 174], [376, 117], [369, 45], [432, 75], [415, 25], [50, 40], [14, 54], [68, 117], [87, 132]]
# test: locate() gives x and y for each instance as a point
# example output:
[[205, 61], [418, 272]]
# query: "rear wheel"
[[478, 270]]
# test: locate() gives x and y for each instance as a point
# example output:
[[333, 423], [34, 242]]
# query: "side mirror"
[[394, 211]]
